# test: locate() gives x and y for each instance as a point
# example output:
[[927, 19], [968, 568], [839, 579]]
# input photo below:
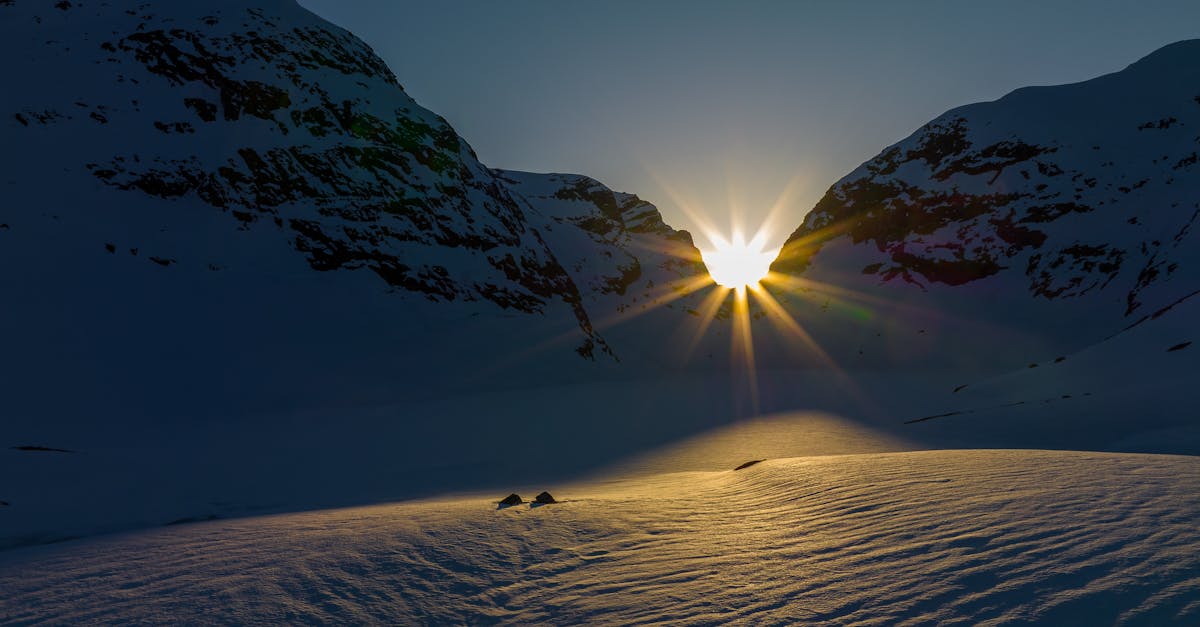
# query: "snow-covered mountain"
[[238, 202], [1038, 223]]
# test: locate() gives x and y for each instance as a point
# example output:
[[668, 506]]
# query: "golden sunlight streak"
[[784, 321], [707, 313], [743, 342]]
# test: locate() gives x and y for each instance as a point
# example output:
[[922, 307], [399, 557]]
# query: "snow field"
[[954, 537]]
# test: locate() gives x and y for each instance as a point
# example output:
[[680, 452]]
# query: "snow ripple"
[[952, 537]]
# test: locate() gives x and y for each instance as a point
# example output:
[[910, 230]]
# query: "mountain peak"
[[1175, 55], [1073, 202]]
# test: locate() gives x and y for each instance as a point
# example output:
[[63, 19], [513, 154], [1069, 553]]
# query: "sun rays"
[[738, 288], [728, 304]]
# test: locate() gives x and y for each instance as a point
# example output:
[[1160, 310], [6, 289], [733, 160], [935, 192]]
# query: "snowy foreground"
[[955, 537]]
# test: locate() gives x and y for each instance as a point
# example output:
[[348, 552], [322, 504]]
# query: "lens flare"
[[737, 290]]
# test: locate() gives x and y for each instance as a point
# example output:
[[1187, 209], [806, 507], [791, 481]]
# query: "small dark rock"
[[110, 248], [512, 499], [4, 503], [1179, 347], [544, 498], [748, 464], [41, 449]]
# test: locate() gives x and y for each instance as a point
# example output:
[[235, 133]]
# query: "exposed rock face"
[[1084, 193]]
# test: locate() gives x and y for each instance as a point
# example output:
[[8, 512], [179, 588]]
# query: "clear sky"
[[722, 108]]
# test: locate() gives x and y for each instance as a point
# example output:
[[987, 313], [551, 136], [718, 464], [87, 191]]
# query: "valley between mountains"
[[276, 342]]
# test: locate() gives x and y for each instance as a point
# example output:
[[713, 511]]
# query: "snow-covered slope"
[[1130, 392], [946, 537], [1017, 229]]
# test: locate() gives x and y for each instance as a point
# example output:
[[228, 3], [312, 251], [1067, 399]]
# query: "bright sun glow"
[[737, 263]]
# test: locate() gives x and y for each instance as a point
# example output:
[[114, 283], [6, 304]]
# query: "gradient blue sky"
[[721, 108]]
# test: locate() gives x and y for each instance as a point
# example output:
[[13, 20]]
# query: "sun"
[[737, 264]]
